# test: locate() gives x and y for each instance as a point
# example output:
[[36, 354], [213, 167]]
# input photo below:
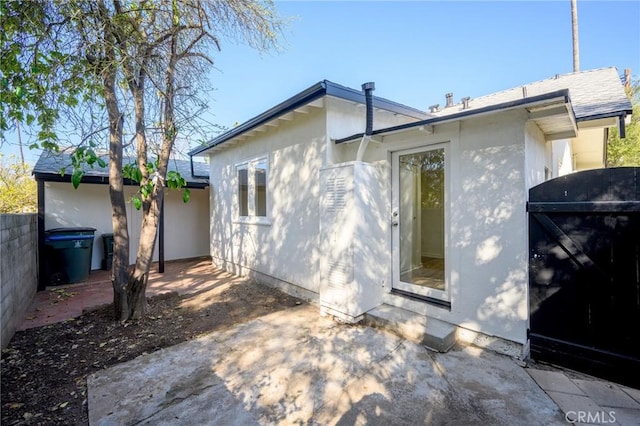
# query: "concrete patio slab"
[[590, 400], [495, 384], [606, 394], [633, 393], [296, 367], [622, 416], [555, 381], [572, 404]]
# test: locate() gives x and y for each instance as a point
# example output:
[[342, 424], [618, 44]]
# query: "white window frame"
[[251, 218]]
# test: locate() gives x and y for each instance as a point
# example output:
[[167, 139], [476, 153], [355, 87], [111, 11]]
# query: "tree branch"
[[195, 55]]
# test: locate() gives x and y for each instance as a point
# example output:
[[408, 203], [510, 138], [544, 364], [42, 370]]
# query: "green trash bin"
[[69, 252], [107, 249]]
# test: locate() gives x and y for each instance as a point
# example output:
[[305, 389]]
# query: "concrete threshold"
[[430, 332]]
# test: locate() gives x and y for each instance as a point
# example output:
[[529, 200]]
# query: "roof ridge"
[[531, 83], [568, 74]]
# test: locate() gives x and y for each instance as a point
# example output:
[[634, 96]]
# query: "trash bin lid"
[[70, 230], [70, 237]]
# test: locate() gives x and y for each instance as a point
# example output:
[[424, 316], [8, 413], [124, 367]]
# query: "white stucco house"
[[62, 206], [419, 210]]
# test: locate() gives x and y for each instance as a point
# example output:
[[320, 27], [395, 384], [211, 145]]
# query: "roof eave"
[[314, 92], [101, 180], [321, 89], [561, 95], [353, 95], [620, 113]]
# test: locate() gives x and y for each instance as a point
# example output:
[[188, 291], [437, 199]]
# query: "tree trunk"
[[119, 270], [148, 230], [144, 259], [150, 216], [152, 203]]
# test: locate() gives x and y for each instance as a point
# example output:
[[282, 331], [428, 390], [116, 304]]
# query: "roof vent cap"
[[449, 97], [465, 102]]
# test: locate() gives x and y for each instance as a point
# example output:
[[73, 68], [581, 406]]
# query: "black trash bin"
[[69, 253], [107, 249]]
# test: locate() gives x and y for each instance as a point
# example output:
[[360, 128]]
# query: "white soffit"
[[589, 149], [271, 124], [555, 120], [599, 123]]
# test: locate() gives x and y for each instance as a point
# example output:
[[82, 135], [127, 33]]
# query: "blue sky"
[[417, 51]]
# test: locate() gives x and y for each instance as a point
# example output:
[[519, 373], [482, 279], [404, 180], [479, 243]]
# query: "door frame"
[[438, 296]]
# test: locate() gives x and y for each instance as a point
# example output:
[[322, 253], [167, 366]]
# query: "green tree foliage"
[[626, 152], [41, 78], [18, 189]]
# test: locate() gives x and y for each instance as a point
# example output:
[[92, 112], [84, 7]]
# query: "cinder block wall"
[[18, 269]]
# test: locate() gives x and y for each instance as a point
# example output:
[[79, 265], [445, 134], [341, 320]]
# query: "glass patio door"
[[419, 199]]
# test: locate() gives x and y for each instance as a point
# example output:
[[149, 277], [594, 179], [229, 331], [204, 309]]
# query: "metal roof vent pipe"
[[368, 89], [465, 102], [449, 97]]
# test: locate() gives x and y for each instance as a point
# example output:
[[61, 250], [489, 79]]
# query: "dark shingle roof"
[[318, 90], [594, 94], [49, 166]]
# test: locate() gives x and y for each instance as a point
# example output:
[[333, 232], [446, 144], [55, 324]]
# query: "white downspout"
[[363, 147]]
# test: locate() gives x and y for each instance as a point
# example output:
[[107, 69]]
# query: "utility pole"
[[627, 79], [574, 25], [20, 143]]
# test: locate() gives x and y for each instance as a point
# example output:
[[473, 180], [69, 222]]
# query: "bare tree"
[[131, 55]]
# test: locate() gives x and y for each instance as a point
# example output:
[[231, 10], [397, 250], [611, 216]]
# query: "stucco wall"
[[89, 205], [539, 156], [18, 269], [486, 239], [562, 157], [486, 244], [287, 246], [488, 227], [346, 118]]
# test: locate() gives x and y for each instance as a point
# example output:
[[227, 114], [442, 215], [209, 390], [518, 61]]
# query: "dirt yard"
[[44, 369]]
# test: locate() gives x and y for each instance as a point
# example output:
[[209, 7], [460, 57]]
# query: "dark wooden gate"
[[584, 272]]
